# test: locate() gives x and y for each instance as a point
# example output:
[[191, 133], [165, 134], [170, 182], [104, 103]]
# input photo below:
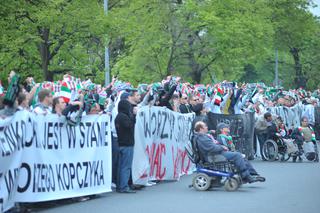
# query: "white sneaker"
[[81, 199], [113, 185], [150, 183]]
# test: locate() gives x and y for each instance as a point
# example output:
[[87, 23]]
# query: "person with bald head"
[[208, 149]]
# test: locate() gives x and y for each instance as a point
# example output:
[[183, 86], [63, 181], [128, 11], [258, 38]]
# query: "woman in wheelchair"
[[306, 141], [209, 149]]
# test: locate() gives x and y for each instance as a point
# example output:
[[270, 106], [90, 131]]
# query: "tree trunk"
[[44, 50], [195, 68], [300, 80], [170, 67]]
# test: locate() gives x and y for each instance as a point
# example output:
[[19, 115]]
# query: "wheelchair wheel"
[[283, 151], [239, 179], [311, 156], [201, 182], [283, 154], [231, 184], [270, 150]]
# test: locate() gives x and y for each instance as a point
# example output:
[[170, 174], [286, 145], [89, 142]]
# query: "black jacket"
[[185, 108], [164, 99], [124, 123]]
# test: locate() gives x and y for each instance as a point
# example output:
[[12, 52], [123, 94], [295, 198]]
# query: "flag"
[[218, 96], [65, 92]]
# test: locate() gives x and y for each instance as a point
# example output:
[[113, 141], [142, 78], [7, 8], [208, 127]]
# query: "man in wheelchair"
[[209, 150], [265, 129], [306, 141]]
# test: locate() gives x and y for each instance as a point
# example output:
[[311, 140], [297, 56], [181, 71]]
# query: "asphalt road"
[[290, 187]]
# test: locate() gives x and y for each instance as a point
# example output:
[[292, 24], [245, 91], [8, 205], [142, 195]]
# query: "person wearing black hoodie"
[[124, 124], [166, 95]]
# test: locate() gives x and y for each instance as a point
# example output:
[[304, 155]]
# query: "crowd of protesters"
[[73, 98], [224, 97]]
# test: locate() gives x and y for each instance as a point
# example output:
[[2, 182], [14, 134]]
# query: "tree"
[[148, 40], [294, 26], [311, 60], [200, 40], [51, 37], [230, 33], [188, 38]]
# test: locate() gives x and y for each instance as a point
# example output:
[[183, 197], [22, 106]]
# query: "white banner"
[[14, 135], [160, 139], [292, 115], [43, 158]]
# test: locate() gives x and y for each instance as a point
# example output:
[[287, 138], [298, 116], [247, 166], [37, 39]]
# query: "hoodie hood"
[[124, 106]]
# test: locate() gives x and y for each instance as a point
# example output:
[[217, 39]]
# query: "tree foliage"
[[295, 27], [195, 39], [47, 38], [200, 40]]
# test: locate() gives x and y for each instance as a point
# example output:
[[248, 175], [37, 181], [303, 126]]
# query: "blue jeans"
[[124, 167], [250, 168], [115, 158], [240, 163]]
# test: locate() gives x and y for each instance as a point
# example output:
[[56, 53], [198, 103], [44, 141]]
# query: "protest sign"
[[241, 130], [43, 158], [160, 139]]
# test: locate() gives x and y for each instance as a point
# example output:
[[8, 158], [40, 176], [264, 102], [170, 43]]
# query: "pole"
[[276, 70], [106, 55]]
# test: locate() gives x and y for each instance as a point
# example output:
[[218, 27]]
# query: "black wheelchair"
[[279, 149], [284, 148]]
